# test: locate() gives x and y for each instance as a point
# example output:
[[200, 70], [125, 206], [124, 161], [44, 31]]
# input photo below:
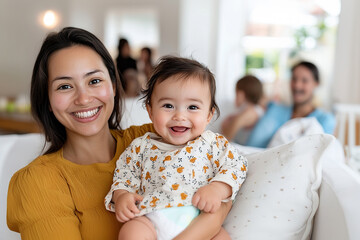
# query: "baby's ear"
[[148, 109], [211, 114]]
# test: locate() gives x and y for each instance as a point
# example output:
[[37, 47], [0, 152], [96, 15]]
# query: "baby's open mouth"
[[179, 129]]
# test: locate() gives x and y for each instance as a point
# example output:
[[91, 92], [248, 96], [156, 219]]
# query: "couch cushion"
[[16, 152], [279, 197], [134, 113]]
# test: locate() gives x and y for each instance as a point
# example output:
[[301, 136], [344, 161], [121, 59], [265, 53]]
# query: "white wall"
[[199, 30], [230, 54], [346, 85], [20, 40], [139, 26], [208, 30], [21, 34], [92, 17], [211, 31]]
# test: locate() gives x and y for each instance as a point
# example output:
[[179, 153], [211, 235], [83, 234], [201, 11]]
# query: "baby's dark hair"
[[252, 88], [183, 68]]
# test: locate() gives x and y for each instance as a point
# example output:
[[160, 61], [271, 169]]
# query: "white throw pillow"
[[294, 129], [279, 198]]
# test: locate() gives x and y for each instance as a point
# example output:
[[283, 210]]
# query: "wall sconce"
[[50, 19]]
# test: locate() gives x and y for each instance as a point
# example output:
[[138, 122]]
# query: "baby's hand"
[[208, 198], [125, 205]]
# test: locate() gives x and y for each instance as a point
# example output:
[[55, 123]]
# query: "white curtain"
[[346, 87]]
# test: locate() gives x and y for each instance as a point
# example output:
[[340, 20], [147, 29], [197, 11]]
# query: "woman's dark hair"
[[183, 68], [40, 105], [252, 88], [311, 67]]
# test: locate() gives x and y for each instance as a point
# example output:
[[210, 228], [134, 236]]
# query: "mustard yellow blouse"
[[53, 198]]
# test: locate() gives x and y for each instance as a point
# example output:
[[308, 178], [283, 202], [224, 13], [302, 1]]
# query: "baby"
[[163, 180]]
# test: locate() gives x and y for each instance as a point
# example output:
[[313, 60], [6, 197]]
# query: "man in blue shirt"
[[305, 78]]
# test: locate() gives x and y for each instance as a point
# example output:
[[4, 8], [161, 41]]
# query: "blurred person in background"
[[131, 83], [237, 127], [127, 69], [124, 61], [145, 66], [304, 80]]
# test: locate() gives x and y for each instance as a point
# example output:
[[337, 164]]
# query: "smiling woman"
[[81, 93], [76, 98], [59, 67]]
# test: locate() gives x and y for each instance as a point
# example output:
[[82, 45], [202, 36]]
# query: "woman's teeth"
[[86, 114]]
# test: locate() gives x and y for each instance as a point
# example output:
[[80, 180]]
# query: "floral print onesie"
[[168, 176]]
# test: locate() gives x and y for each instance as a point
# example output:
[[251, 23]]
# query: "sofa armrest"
[[339, 210], [16, 151]]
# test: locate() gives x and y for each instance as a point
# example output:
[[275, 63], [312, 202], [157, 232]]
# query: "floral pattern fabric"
[[168, 176]]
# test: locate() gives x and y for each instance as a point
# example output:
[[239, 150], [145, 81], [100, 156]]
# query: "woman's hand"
[[125, 205]]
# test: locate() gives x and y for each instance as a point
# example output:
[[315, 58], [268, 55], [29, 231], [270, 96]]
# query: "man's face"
[[302, 85]]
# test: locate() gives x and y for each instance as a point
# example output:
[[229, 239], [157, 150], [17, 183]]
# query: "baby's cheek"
[[160, 120]]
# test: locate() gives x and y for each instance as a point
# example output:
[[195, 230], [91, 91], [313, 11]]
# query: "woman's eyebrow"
[[93, 72], [62, 78], [85, 75]]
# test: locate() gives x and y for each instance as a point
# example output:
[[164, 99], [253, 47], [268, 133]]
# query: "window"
[[281, 32]]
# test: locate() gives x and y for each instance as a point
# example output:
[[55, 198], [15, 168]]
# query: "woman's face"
[[81, 93], [303, 85]]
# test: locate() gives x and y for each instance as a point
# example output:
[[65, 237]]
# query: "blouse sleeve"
[[40, 205], [138, 131]]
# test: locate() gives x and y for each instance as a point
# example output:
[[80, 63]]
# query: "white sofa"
[[337, 216]]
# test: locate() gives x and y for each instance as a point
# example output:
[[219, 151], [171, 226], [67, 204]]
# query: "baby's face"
[[180, 109]]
